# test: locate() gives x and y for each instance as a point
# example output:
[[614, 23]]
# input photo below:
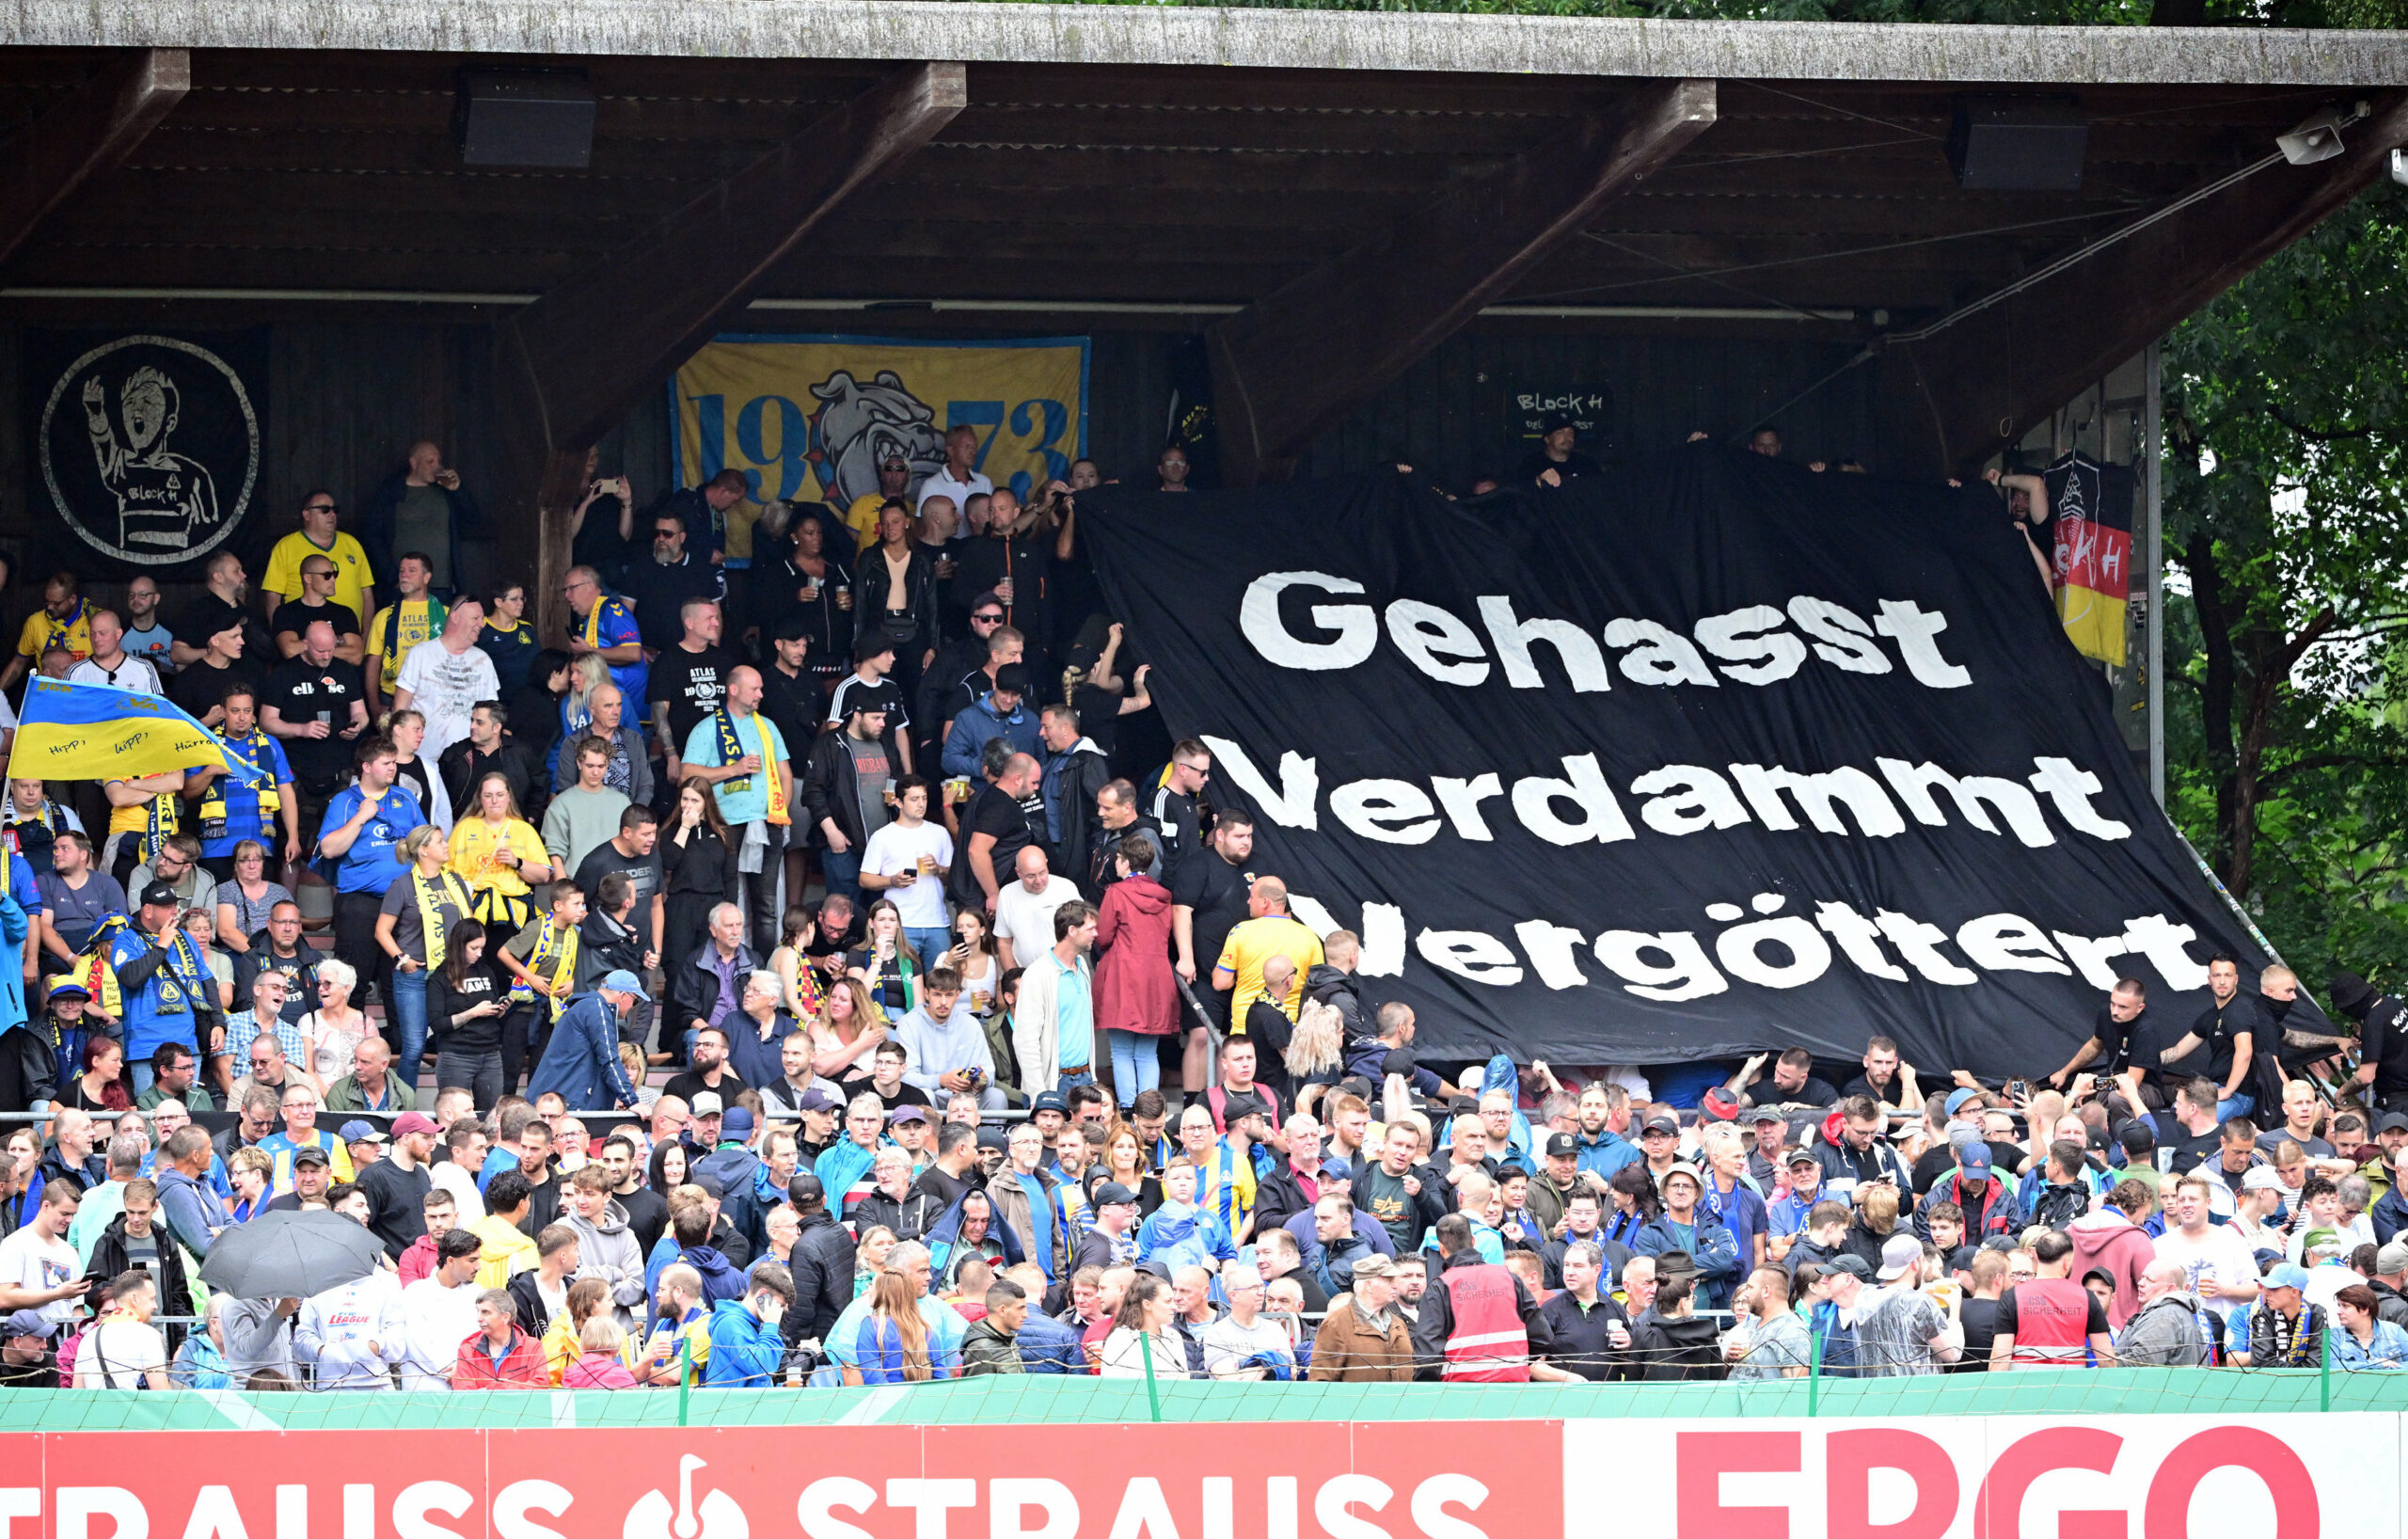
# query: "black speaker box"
[[2017, 144], [526, 120]]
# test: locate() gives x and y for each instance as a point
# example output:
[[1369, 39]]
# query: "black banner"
[[1709, 755], [146, 447]]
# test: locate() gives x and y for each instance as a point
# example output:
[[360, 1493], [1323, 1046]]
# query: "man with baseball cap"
[[164, 981], [1111, 1239], [1659, 1141], [1693, 1232], [397, 1182], [2281, 1329], [580, 1063]]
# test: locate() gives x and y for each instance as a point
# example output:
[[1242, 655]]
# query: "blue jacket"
[[1712, 1243], [15, 924], [187, 1211], [721, 1281], [978, 721], [581, 1061], [1606, 1154], [745, 1349], [838, 1166], [1049, 1346], [738, 1170], [152, 1019]]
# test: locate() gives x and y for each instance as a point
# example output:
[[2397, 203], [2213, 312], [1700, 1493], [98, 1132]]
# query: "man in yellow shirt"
[[504, 1251], [1272, 932], [416, 616], [65, 621], [354, 584]]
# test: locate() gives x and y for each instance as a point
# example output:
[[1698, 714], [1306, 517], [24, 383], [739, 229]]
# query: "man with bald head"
[[1025, 910], [2170, 1330], [739, 750], [1006, 817], [1269, 932], [443, 678], [421, 507], [316, 704]]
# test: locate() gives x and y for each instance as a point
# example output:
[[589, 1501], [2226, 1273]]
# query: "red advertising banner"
[[1248, 1481]]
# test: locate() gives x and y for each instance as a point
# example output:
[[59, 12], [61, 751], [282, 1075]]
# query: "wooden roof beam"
[[89, 133], [1984, 380], [1295, 361], [571, 365]]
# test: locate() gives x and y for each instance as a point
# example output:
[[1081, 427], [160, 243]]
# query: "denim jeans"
[[843, 872], [1070, 1079], [2234, 1105], [479, 1073], [929, 945], [1136, 1063], [144, 1077], [410, 1021]]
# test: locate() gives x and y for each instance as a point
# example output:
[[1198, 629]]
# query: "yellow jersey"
[[1256, 942], [352, 577]]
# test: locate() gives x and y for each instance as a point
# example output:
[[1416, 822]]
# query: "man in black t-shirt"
[[660, 581], [634, 854], [316, 705], [220, 604], [199, 689], [2233, 1027], [2382, 1044], [994, 830], [1208, 895], [291, 627], [2125, 1046], [689, 682], [1887, 1078]]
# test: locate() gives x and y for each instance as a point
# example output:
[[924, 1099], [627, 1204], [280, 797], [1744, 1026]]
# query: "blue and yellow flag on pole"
[[92, 732]]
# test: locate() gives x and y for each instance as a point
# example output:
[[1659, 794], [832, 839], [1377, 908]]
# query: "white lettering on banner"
[[1679, 799], [123, 1510], [1752, 645], [1976, 1477], [1775, 951]]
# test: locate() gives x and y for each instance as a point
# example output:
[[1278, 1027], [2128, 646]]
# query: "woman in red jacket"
[[1136, 998], [499, 1355]]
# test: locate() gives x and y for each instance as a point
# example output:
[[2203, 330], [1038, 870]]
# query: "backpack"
[[2058, 1206]]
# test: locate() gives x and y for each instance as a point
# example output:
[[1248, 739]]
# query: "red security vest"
[[1488, 1344], [2051, 1324]]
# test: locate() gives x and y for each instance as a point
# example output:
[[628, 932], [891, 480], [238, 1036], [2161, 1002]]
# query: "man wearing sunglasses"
[[354, 583]]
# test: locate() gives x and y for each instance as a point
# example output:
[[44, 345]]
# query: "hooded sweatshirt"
[[2108, 1242], [1335, 987], [606, 1248], [352, 1333], [745, 1349], [507, 1252], [721, 1281]]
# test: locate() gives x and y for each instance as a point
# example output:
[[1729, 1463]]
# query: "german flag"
[[2092, 522]]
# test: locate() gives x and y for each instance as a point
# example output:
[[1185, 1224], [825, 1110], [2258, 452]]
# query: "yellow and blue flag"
[[92, 732]]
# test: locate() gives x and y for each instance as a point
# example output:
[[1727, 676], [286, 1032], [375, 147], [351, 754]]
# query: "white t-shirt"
[[444, 687], [132, 674], [2219, 1255], [1026, 919], [894, 849], [29, 1262], [1226, 1343], [117, 1353]]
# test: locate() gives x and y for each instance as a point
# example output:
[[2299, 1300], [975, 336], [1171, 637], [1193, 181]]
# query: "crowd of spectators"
[[1049, 1078]]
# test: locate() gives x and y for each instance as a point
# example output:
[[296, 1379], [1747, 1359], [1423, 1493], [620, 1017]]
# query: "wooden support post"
[[89, 133], [1981, 384], [1291, 364], [571, 365]]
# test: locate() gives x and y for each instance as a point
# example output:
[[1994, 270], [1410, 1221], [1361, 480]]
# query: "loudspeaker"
[[2017, 144], [526, 120]]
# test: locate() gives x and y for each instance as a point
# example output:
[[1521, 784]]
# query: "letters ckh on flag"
[[92, 732], [2093, 552]]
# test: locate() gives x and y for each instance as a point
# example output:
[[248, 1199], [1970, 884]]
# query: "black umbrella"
[[290, 1255]]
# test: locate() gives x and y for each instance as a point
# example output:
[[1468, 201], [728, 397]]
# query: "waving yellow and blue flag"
[[92, 732]]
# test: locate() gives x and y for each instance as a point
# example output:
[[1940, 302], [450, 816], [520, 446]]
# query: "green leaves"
[[2287, 427]]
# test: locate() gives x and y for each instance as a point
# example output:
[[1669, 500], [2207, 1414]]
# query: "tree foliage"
[[2286, 512]]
